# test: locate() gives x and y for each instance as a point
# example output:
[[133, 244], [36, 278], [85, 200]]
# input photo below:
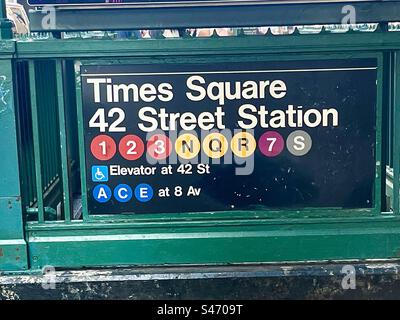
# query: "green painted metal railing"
[[27, 166], [49, 111], [42, 163], [40, 111]]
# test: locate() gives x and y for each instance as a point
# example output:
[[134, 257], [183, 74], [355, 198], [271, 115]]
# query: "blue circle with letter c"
[[123, 193]]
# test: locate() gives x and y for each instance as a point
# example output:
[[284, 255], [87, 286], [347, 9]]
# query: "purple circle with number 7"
[[271, 143]]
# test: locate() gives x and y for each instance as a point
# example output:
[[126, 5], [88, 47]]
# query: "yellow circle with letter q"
[[243, 144], [187, 146], [215, 145]]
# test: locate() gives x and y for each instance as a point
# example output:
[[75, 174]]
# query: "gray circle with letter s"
[[299, 143]]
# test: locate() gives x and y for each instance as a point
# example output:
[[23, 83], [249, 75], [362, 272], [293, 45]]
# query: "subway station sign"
[[166, 138]]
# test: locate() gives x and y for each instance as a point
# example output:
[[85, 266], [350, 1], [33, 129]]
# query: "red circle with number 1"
[[103, 147], [131, 147]]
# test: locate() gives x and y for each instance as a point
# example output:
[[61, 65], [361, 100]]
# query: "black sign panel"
[[233, 136]]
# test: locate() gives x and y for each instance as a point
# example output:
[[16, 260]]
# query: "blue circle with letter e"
[[102, 193], [143, 192], [123, 193]]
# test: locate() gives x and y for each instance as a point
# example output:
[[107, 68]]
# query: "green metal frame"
[[223, 237], [239, 56], [202, 238], [13, 249]]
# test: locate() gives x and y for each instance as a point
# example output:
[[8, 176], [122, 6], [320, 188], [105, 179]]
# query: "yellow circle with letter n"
[[187, 146]]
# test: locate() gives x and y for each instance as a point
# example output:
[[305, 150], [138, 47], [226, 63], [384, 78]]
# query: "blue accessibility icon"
[[102, 193], [99, 173], [143, 192]]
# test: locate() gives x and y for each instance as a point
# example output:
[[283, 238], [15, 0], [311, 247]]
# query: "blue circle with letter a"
[[123, 193], [102, 193], [143, 192]]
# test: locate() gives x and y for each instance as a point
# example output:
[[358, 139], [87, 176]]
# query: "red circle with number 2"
[[131, 147], [103, 147]]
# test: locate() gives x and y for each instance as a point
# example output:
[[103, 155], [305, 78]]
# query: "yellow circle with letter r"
[[243, 144]]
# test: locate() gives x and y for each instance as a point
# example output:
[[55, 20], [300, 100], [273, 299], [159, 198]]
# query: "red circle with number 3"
[[103, 147], [159, 146], [131, 147]]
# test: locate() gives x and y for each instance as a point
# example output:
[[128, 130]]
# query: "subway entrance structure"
[[194, 157]]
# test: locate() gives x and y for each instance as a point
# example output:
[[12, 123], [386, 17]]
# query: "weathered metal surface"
[[9, 182], [5, 24], [375, 280], [13, 254], [222, 242], [217, 16], [216, 47]]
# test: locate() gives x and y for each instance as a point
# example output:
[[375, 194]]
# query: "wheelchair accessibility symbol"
[[99, 173]]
